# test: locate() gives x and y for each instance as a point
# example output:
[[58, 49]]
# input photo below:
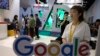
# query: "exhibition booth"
[[50, 14]]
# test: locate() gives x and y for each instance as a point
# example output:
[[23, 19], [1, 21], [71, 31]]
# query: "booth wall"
[[94, 11], [13, 9]]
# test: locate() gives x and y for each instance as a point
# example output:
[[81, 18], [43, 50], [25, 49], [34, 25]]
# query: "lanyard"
[[71, 32]]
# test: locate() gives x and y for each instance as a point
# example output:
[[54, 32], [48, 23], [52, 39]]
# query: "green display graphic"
[[49, 23], [59, 17], [40, 14], [60, 13]]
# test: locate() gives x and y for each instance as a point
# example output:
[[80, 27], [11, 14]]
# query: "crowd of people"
[[29, 25], [94, 28], [76, 28]]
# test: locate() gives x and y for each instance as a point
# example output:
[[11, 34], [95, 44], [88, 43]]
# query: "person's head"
[[31, 15], [76, 13], [36, 15], [15, 17], [97, 22], [26, 17], [65, 15]]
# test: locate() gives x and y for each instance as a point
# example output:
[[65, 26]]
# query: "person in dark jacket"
[[26, 25], [94, 28], [63, 25], [38, 24]]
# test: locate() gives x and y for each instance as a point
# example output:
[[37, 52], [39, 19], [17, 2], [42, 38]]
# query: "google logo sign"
[[22, 47]]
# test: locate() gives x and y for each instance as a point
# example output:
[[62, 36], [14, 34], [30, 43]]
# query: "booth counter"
[[3, 30]]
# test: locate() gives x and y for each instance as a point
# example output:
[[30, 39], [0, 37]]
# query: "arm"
[[87, 34], [64, 38], [62, 22]]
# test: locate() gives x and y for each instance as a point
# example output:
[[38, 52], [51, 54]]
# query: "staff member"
[[77, 28], [38, 24]]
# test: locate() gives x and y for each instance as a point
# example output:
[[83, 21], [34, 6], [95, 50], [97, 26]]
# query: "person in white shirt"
[[77, 28]]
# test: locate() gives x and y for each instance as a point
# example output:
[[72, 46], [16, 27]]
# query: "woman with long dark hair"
[[77, 28]]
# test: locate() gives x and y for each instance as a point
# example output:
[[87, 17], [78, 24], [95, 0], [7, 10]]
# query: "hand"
[[64, 40]]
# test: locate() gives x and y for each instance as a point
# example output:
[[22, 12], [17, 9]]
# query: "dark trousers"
[[25, 31], [32, 32], [37, 32], [59, 38]]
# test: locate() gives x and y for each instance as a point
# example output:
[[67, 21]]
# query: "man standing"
[[63, 25], [38, 24]]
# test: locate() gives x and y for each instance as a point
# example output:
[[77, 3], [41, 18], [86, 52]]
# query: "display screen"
[[40, 3], [4, 4]]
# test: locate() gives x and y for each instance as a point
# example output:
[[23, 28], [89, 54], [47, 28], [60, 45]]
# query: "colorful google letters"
[[22, 47]]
